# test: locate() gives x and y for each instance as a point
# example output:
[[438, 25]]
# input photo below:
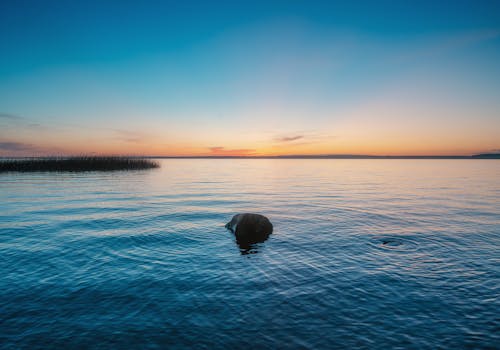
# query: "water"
[[371, 254]]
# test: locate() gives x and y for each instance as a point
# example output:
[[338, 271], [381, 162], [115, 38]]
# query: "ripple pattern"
[[372, 254]]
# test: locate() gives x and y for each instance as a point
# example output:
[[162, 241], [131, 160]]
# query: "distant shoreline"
[[479, 156], [333, 156]]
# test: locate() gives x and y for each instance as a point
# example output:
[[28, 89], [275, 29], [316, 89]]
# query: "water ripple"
[[364, 254]]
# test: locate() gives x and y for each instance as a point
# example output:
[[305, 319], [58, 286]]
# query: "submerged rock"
[[249, 229]]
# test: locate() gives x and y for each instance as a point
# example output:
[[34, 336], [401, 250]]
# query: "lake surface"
[[371, 254]]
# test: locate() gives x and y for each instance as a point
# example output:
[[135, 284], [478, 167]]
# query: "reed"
[[76, 164]]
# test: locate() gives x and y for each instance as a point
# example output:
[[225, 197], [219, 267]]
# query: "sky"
[[201, 78]]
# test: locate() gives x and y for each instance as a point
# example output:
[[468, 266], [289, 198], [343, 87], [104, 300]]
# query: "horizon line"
[[291, 156], [336, 156]]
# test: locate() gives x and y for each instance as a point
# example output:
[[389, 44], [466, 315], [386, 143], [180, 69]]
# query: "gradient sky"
[[249, 77]]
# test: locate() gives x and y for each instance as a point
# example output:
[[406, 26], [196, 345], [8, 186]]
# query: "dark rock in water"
[[249, 229]]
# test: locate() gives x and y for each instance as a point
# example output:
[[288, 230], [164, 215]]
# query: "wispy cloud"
[[222, 151], [289, 138], [301, 137], [129, 136], [11, 146], [449, 44], [12, 117], [19, 121]]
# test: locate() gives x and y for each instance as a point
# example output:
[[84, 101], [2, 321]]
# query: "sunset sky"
[[249, 77]]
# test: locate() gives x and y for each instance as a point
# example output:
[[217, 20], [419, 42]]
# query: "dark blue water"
[[371, 254]]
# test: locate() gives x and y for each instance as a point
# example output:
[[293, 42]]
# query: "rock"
[[249, 229]]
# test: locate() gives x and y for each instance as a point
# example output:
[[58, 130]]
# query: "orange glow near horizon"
[[391, 147], [399, 121]]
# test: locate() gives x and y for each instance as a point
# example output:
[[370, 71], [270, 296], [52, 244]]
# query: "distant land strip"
[[334, 156], [325, 156]]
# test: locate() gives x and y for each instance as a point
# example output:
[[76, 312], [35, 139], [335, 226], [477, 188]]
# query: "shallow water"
[[364, 254]]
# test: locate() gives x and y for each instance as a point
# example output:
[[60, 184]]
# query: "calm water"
[[365, 254]]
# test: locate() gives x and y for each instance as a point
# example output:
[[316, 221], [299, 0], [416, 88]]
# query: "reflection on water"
[[250, 246], [364, 254]]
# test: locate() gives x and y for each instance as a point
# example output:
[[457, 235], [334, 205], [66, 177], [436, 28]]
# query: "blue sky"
[[274, 77]]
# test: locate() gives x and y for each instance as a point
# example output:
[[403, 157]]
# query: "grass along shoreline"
[[76, 164]]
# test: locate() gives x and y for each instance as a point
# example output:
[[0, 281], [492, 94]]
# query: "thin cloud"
[[12, 117], [304, 136], [16, 146], [18, 121], [35, 126], [448, 44], [129, 136], [222, 151], [289, 138]]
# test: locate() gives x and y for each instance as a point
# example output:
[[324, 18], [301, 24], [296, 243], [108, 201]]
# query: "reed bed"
[[76, 164]]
